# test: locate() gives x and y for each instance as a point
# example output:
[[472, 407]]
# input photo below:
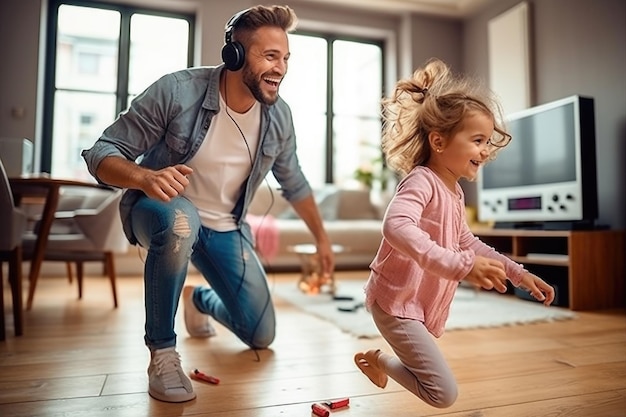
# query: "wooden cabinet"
[[585, 267]]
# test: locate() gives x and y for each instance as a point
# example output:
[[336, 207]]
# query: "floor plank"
[[84, 358]]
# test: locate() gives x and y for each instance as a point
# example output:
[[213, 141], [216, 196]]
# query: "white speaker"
[[17, 156]]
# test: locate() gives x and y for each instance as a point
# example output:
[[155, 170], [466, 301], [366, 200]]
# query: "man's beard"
[[254, 85]]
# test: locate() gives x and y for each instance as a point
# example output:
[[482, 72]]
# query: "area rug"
[[470, 308]]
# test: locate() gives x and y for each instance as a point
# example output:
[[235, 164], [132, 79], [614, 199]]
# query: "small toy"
[[334, 404], [200, 376], [320, 410]]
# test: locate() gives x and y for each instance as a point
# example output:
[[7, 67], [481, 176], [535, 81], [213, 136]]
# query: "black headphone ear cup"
[[233, 56]]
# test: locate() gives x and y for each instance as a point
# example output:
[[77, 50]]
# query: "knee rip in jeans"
[[181, 228]]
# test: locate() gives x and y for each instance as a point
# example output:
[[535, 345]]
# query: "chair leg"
[[110, 267], [15, 282], [32, 285], [79, 278], [68, 266], [15, 277], [2, 328]]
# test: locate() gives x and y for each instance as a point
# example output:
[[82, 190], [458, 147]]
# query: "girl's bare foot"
[[368, 364]]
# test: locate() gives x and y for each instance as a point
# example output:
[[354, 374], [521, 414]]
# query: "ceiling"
[[450, 8]]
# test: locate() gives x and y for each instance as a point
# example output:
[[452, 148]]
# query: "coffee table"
[[312, 280]]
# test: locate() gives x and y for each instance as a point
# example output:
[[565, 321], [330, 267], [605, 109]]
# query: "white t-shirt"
[[222, 165]]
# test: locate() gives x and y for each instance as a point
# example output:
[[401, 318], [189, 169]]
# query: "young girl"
[[438, 128]]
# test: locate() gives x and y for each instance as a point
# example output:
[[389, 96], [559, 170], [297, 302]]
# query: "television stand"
[[551, 225], [586, 267], [519, 225]]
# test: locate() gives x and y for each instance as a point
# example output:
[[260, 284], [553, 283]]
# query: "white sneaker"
[[166, 379], [196, 322]]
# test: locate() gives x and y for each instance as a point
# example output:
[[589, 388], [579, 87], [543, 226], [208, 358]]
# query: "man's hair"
[[282, 17]]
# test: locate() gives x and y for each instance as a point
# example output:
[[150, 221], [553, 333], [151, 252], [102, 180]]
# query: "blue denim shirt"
[[166, 124]]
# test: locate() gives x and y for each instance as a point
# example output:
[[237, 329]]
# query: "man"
[[205, 139]]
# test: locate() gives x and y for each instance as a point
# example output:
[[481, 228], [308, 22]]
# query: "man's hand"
[[488, 274], [326, 259], [308, 211], [165, 183], [162, 185]]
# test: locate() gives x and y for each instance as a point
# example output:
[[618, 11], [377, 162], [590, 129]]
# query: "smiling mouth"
[[272, 81]]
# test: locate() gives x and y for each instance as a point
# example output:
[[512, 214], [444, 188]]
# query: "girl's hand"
[[488, 274], [538, 288]]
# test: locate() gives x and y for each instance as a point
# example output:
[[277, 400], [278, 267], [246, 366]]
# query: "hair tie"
[[423, 92]]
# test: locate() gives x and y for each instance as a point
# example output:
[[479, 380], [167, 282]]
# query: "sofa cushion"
[[356, 204], [334, 204], [327, 200]]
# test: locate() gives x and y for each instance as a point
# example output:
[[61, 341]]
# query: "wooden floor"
[[83, 358]]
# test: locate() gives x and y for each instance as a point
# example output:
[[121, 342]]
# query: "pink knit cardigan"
[[426, 250]]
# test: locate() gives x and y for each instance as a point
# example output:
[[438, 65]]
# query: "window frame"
[[121, 92], [330, 38]]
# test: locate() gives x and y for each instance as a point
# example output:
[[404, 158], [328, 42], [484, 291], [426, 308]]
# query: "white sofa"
[[350, 218]]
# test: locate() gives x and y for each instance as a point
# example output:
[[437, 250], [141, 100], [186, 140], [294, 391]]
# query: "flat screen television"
[[546, 177]]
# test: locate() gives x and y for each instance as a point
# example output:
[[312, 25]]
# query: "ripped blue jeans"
[[238, 296]]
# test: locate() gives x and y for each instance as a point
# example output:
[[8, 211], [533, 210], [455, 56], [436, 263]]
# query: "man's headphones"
[[233, 53]]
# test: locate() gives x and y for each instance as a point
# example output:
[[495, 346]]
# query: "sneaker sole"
[[172, 398]]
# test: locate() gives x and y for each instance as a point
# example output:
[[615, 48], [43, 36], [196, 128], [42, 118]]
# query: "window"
[[334, 87], [88, 63], [99, 57]]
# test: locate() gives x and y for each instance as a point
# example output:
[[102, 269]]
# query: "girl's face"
[[461, 155]]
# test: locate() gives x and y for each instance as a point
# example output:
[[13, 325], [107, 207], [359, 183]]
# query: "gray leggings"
[[419, 366]]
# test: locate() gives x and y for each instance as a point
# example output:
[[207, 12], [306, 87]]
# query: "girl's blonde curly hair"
[[433, 99]]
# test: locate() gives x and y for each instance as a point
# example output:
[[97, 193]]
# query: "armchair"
[[86, 228]]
